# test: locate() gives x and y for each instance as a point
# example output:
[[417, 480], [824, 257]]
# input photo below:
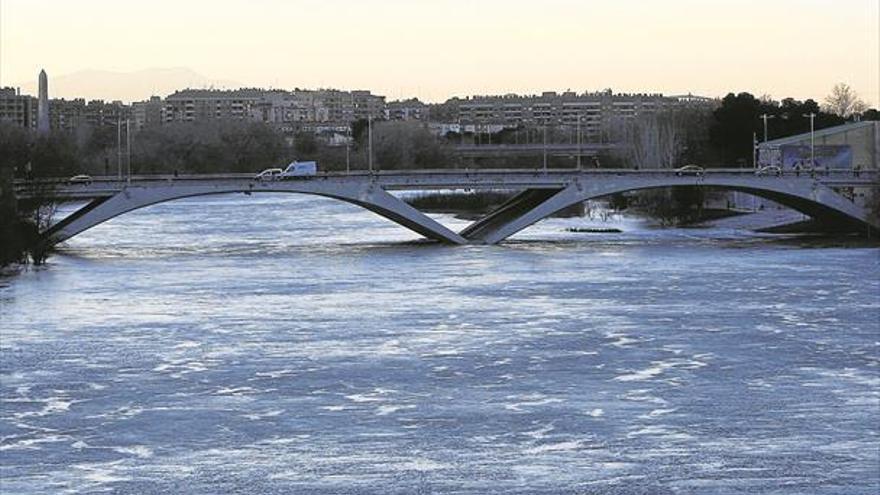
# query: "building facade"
[[589, 110], [148, 113], [853, 147], [70, 115], [411, 109], [282, 108], [18, 109]]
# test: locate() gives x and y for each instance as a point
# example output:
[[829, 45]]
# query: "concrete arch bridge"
[[543, 193]]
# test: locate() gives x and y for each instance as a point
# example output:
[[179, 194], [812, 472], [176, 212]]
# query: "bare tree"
[[651, 140], [844, 101]]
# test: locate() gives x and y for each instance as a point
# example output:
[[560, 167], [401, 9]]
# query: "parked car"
[[80, 179], [300, 170], [690, 170], [269, 174], [769, 170]]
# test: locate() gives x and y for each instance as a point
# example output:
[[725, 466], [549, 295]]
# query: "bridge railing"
[[114, 181]]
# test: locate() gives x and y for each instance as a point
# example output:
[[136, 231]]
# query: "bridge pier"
[[381, 202], [514, 208], [542, 206]]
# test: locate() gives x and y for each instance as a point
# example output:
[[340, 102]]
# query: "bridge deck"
[[103, 186]]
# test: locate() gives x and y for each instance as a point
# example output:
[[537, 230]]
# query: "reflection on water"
[[284, 344]]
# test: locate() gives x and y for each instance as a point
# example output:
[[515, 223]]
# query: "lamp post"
[[765, 118], [370, 142], [579, 142], [128, 148], [545, 146], [755, 149], [348, 149], [349, 133], [812, 117], [119, 148]]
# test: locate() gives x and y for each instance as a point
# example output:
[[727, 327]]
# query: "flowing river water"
[[287, 344]]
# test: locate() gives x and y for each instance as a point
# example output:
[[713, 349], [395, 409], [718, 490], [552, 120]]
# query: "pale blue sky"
[[439, 48]]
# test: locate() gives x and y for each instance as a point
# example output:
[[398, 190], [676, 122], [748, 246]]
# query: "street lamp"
[[545, 146], [812, 117], [765, 118], [348, 149], [349, 133], [579, 141], [119, 147], [370, 142], [128, 147], [755, 149]]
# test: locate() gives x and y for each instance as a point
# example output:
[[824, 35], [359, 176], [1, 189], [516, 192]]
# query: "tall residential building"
[[367, 105], [411, 109], [43, 104], [17, 108], [282, 108], [69, 115], [198, 105], [593, 110], [148, 113]]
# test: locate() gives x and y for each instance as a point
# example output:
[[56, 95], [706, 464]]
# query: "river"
[[287, 344]]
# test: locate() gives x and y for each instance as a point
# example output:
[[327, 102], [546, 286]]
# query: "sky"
[[435, 49]]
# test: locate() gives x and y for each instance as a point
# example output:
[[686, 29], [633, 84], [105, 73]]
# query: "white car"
[[80, 179], [692, 170], [269, 174], [769, 170]]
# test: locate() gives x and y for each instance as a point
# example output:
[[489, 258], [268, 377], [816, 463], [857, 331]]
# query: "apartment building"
[[17, 108], [199, 105], [411, 109], [273, 106], [147, 113], [593, 110], [69, 115]]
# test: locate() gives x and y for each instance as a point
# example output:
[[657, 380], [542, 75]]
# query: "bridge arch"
[[545, 194], [804, 195], [369, 197]]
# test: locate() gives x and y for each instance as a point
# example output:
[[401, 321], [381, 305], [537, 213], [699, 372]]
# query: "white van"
[[299, 170]]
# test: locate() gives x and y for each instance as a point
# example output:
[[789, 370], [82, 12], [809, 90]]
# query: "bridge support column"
[[495, 233], [393, 208], [507, 212]]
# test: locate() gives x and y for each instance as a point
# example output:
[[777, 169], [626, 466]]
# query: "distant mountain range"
[[125, 86]]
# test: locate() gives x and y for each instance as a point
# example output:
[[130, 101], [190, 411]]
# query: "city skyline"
[[444, 49]]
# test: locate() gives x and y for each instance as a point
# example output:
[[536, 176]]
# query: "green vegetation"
[[739, 118]]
